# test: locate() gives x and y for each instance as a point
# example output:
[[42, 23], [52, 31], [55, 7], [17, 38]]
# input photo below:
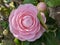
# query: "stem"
[[22, 43]]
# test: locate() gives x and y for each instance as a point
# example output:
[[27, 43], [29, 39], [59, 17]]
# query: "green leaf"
[[9, 0], [47, 14], [4, 24], [37, 42], [50, 39], [25, 43], [17, 41], [50, 21], [30, 1], [53, 3], [58, 33], [41, 20]]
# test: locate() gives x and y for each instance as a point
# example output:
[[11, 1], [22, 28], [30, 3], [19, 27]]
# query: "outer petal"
[[10, 21], [16, 33], [13, 31], [26, 7], [38, 34], [27, 37], [11, 15]]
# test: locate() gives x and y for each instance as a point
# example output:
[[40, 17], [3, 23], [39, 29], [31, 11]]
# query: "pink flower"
[[41, 6], [24, 24]]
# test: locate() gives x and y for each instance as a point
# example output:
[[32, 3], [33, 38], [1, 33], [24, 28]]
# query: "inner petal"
[[27, 21]]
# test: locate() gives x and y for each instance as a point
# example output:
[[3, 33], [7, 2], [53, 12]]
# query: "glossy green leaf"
[[53, 3], [30, 1]]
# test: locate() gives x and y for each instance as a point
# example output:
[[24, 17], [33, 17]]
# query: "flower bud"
[[41, 6]]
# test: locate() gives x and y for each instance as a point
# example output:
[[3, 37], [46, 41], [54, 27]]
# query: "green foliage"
[[50, 21], [58, 33], [30, 1], [25, 43], [37, 42], [50, 37], [17, 41], [41, 20], [4, 24], [53, 3], [7, 42]]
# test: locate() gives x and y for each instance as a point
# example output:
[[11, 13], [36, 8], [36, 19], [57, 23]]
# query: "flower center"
[[27, 21]]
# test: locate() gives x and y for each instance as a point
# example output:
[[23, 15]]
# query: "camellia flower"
[[41, 6], [24, 24]]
